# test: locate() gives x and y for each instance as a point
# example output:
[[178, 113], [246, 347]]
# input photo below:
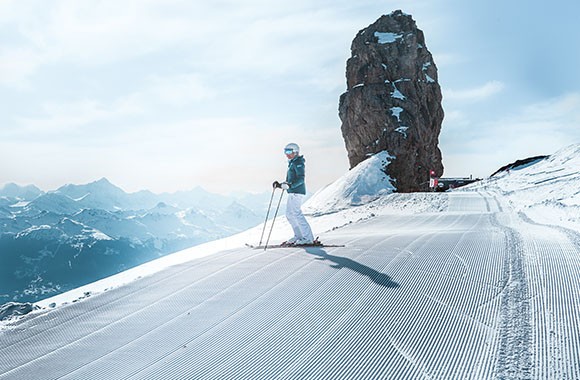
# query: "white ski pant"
[[296, 219]]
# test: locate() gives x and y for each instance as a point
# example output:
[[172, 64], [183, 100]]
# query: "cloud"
[[455, 118], [173, 90], [17, 65], [542, 127], [448, 59], [254, 36], [158, 96], [67, 120], [539, 128], [97, 32], [474, 94], [563, 110], [92, 33]]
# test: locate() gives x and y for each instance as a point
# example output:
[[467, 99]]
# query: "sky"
[[169, 95]]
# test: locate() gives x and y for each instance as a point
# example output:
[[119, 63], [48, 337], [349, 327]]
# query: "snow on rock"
[[397, 94], [40, 232], [387, 38], [362, 184], [396, 112], [402, 130]]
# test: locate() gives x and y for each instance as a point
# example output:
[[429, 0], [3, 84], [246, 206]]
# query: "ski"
[[319, 245]]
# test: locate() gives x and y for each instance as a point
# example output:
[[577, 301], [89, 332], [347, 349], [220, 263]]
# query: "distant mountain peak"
[[100, 186], [13, 190], [103, 181]]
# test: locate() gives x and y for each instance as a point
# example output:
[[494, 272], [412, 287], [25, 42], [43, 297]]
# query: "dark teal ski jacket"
[[295, 177]]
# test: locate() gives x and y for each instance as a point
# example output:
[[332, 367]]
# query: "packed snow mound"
[[546, 190], [15, 309], [363, 184]]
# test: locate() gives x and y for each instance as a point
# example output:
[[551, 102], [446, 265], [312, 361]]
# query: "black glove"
[[276, 185]]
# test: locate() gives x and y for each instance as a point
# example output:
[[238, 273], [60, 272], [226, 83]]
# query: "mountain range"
[[54, 241]]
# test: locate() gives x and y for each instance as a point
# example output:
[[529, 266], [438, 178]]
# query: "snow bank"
[[14, 309], [547, 191], [362, 184]]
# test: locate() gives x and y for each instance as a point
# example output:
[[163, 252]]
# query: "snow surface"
[[480, 283], [547, 191], [362, 184]]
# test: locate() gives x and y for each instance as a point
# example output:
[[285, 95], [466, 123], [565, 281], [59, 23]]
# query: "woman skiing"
[[295, 186]]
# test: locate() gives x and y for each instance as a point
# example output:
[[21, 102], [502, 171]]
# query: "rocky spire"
[[393, 101]]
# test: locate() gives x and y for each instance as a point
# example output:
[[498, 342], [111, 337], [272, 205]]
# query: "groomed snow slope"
[[461, 285], [547, 191]]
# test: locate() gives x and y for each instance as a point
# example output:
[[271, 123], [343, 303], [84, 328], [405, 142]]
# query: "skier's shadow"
[[344, 262]]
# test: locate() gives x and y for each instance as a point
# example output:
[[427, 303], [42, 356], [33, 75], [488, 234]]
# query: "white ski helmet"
[[291, 148]]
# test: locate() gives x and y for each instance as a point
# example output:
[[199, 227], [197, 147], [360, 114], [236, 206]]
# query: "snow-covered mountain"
[[25, 193], [100, 194], [98, 229]]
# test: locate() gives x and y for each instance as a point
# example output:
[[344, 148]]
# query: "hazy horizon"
[[170, 95]]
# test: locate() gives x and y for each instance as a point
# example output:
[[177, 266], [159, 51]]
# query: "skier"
[[296, 188]]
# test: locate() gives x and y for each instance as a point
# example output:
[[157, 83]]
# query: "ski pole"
[[273, 220], [267, 214]]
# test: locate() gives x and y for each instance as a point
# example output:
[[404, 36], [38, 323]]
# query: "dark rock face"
[[393, 101], [518, 163]]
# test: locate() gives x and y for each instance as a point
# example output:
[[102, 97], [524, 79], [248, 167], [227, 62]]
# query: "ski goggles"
[[288, 151]]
